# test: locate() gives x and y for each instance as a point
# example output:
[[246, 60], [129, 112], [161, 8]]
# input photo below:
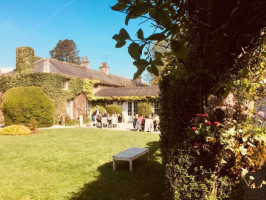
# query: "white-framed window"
[[65, 84], [156, 107], [132, 108], [129, 113], [135, 108]]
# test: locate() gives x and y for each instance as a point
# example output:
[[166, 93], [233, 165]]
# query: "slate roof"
[[68, 69], [132, 91]]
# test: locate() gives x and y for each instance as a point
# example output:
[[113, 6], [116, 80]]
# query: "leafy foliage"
[[102, 108], [144, 109], [57, 94], [212, 44], [25, 58], [66, 50], [111, 109], [20, 105], [15, 130]]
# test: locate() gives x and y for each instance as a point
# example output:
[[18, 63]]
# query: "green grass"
[[76, 163]]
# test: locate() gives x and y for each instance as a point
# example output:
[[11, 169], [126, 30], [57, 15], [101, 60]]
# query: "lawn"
[[76, 163]]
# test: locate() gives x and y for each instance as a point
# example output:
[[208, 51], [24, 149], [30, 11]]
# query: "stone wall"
[[80, 105]]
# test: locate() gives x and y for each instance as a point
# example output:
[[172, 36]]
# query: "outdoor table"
[[130, 155]]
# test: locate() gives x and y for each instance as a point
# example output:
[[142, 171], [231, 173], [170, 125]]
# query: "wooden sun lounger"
[[130, 155]]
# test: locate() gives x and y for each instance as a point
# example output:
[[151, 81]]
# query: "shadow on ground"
[[144, 183], [259, 193]]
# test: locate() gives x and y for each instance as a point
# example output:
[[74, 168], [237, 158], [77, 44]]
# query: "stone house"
[[107, 89]]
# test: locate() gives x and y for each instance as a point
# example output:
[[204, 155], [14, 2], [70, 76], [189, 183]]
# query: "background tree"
[[66, 50], [213, 44]]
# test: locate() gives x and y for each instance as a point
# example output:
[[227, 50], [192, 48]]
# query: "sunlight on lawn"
[[76, 164]]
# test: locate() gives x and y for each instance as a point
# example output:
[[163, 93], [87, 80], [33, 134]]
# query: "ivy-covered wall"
[[52, 85], [24, 59]]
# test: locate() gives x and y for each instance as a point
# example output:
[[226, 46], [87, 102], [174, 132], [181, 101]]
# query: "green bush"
[[72, 122], [20, 105], [111, 109], [101, 109], [144, 109], [15, 130]]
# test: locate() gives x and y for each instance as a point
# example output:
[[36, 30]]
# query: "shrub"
[[72, 122], [144, 109], [22, 104], [111, 109], [15, 130], [101, 109]]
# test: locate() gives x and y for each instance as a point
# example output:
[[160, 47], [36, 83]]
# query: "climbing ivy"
[[52, 85], [25, 58]]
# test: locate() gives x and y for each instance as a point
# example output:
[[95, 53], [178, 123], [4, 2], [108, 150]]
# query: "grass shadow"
[[144, 183]]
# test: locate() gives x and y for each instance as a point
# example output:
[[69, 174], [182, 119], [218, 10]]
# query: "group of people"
[[97, 117], [148, 123]]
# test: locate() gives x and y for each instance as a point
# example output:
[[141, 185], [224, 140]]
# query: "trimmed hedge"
[[101, 109], [20, 105], [111, 109], [144, 109], [15, 130]]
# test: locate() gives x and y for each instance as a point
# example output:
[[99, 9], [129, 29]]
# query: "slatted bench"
[[130, 155]]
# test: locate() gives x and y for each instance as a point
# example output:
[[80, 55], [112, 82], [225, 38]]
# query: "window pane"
[[129, 108], [135, 108]]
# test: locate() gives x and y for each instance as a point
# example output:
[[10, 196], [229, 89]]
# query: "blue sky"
[[90, 23]]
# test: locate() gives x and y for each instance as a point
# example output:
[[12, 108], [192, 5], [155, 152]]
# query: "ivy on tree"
[[66, 50]]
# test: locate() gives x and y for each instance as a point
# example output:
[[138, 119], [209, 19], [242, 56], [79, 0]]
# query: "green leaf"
[[140, 10], [158, 62], [152, 13], [124, 1], [245, 72], [119, 6], [139, 72], [154, 70], [134, 50], [127, 19], [140, 62], [243, 150], [120, 44], [140, 34], [116, 37], [123, 34], [179, 49], [158, 54], [164, 18], [149, 70], [137, 11], [156, 36]]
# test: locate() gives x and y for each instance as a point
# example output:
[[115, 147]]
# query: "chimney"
[[138, 81], [85, 63], [104, 68], [46, 67]]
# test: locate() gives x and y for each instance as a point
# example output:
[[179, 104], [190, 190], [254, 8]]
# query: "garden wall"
[[80, 106]]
